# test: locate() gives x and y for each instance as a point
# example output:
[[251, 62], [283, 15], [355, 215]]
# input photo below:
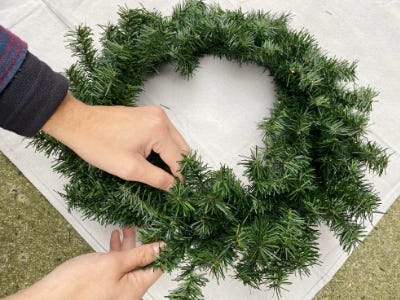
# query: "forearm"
[[30, 90], [33, 292], [31, 97], [12, 53]]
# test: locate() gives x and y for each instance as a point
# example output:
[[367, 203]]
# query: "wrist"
[[66, 123]]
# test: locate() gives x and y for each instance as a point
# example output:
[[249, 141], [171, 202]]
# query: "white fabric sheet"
[[217, 111]]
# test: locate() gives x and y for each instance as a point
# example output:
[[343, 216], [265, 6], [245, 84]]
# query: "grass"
[[34, 237]]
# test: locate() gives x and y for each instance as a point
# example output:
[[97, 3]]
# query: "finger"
[[170, 154], [129, 238], [178, 138], [146, 277], [115, 241], [176, 135], [147, 173], [139, 257]]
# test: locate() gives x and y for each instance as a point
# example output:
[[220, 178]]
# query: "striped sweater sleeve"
[[29, 90], [12, 54]]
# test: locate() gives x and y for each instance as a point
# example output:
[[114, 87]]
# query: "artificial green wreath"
[[311, 169]]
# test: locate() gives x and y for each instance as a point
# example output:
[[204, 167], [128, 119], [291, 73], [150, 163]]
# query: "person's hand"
[[100, 276], [118, 139]]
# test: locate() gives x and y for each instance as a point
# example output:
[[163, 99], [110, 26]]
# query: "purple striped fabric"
[[12, 54]]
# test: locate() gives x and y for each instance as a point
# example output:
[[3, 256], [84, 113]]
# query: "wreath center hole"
[[218, 109]]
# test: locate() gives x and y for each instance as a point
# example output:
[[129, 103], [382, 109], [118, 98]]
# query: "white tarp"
[[217, 111]]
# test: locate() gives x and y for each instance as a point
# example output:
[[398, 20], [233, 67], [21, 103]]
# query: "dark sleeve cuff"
[[31, 97]]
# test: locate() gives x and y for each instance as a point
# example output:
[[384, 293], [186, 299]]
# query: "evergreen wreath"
[[310, 170]]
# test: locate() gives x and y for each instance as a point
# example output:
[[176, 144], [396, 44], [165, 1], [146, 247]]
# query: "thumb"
[[139, 257], [150, 174]]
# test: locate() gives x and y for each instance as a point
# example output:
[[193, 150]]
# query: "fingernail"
[[158, 246]]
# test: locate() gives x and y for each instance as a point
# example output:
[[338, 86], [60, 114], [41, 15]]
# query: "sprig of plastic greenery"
[[309, 171]]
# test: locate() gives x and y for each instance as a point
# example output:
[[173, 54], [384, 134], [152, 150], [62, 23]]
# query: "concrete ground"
[[35, 238]]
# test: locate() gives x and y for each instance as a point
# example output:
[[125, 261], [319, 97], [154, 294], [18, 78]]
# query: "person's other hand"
[[100, 276], [118, 139]]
